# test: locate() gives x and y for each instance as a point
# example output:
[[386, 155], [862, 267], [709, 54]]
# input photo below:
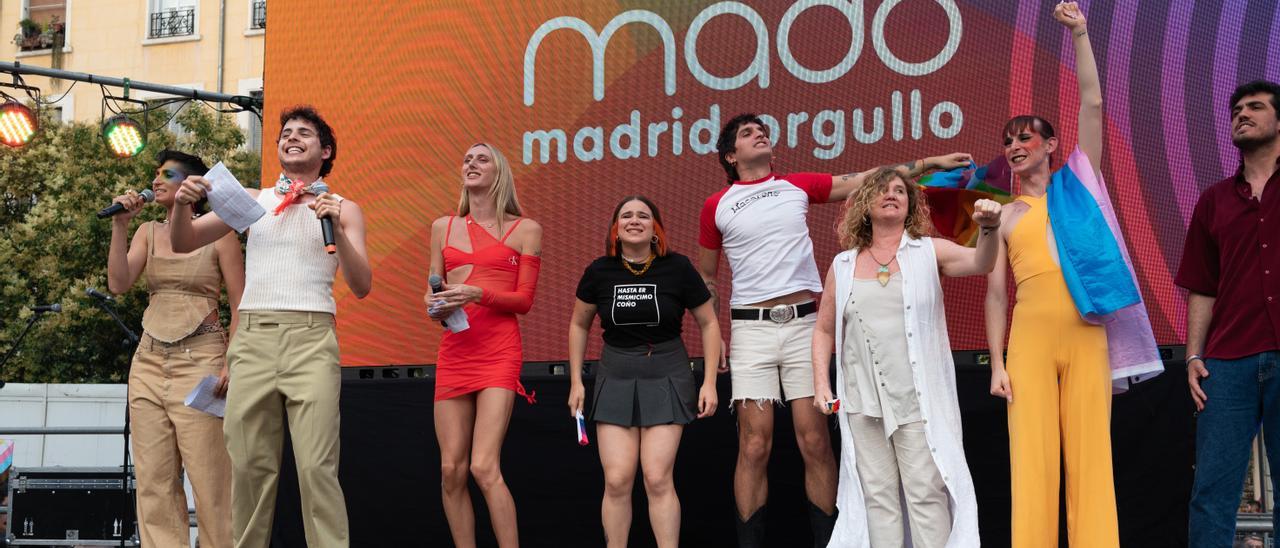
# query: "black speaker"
[[82, 506]]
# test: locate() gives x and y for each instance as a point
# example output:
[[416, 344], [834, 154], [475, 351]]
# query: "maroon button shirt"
[[1232, 252]]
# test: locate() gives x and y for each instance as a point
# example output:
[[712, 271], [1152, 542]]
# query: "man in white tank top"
[[284, 354], [760, 221]]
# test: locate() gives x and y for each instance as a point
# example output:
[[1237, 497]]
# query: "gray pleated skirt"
[[645, 386]]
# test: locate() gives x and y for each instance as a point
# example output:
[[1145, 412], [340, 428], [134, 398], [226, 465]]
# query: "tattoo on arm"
[[911, 168], [715, 295]]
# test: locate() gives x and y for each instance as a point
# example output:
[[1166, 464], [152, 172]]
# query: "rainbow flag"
[[951, 195]]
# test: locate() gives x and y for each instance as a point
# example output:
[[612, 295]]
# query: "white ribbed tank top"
[[286, 266]]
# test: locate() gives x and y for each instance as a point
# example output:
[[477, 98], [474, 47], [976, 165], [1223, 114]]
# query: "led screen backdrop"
[[592, 100]]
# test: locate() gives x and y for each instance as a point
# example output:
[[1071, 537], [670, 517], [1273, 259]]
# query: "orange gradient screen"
[[593, 100]]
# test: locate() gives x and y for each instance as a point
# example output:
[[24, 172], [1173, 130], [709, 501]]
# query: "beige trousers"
[[168, 436], [897, 466], [285, 363]]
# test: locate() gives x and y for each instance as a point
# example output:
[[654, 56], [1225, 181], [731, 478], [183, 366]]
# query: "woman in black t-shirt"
[[644, 390]]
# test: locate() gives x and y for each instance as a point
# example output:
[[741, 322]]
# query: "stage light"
[[17, 124], [125, 138]]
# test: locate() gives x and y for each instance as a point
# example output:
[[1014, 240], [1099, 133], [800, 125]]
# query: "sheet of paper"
[[456, 322], [231, 201], [203, 399]]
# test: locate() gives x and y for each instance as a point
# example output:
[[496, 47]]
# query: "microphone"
[[39, 309], [326, 224], [457, 320], [437, 285], [147, 197], [93, 292]]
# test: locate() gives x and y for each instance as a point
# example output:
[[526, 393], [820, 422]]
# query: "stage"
[[390, 466]]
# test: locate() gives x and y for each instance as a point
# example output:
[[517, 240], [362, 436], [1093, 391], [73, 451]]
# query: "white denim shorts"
[[771, 361]]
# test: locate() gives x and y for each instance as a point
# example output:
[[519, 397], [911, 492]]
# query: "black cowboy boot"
[[751, 532], [822, 524]]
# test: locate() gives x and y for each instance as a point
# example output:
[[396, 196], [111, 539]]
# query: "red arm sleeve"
[[708, 233], [816, 185], [520, 300]]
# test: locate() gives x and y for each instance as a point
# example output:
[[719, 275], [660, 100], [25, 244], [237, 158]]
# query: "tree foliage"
[[53, 247]]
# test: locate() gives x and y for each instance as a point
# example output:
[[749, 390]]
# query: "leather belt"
[[782, 313]]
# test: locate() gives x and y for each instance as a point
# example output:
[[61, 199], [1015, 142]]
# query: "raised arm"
[[1090, 127], [125, 261], [348, 234], [957, 260], [824, 340], [844, 185], [187, 234]]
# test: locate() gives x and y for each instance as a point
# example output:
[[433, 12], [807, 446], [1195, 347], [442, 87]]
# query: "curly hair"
[[323, 131], [854, 229]]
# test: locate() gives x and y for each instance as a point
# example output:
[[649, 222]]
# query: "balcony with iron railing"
[[173, 22], [259, 20]]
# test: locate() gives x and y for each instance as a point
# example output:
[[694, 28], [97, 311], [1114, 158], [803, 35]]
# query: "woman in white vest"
[[895, 379]]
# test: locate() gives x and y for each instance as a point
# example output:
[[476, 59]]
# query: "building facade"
[[209, 45]]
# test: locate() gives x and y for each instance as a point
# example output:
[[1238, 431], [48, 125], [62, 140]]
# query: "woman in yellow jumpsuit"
[[1058, 364]]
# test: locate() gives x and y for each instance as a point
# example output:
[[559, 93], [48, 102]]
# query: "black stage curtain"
[[390, 470]]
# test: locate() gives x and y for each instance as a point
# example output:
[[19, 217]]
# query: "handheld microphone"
[[93, 292], [457, 321], [147, 197], [437, 285], [39, 309], [326, 224]]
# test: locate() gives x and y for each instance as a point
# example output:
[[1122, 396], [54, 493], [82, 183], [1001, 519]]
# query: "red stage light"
[[17, 124]]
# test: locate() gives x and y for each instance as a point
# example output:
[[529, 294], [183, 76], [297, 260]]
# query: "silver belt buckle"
[[782, 313]]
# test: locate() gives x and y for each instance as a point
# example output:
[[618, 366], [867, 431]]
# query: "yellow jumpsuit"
[[1061, 380]]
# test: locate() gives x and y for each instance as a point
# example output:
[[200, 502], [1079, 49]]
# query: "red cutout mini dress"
[[489, 353]]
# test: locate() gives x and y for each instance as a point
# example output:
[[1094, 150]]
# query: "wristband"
[[1194, 357]]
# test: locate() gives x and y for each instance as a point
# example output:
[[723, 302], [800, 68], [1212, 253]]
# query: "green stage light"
[[17, 124], [124, 136]]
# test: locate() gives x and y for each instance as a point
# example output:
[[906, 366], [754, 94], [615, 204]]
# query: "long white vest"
[[933, 373]]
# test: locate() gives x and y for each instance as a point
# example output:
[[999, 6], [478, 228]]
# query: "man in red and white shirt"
[[760, 222]]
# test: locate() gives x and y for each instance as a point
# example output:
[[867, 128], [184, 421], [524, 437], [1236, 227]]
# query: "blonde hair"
[[854, 229], [502, 192]]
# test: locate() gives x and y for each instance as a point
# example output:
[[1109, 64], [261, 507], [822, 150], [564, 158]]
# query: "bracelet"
[[1194, 357], [1081, 33]]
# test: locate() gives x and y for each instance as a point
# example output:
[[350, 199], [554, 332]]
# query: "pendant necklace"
[[882, 273]]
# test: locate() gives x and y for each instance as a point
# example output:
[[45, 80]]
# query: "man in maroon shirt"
[[1231, 270]]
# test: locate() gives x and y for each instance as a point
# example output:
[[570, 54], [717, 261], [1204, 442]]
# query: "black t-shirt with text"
[[648, 308]]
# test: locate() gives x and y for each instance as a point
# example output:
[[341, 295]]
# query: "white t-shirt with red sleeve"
[[762, 227]]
